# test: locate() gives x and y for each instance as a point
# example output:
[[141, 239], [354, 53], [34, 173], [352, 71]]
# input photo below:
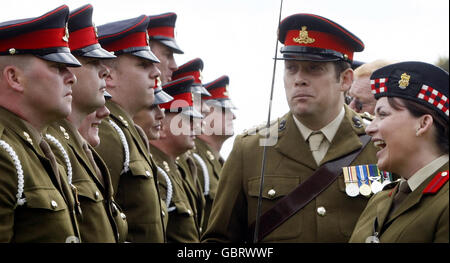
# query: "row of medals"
[[365, 179]]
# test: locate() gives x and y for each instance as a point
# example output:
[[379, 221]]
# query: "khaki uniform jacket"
[[289, 163], [420, 218], [101, 220], [182, 224], [48, 212], [214, 166], [136, 188]]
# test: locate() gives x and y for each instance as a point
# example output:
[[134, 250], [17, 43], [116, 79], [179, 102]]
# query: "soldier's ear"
[[14, 76], [346, 79]]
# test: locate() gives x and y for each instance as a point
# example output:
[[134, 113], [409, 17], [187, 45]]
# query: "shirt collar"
[[428, 170], [329, 130]]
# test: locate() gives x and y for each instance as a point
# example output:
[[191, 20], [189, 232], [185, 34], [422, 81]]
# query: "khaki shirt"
[[214, 166], [135, 186], [48, 212], [419, 218], [289, 163], [182, 224], [101, 220]]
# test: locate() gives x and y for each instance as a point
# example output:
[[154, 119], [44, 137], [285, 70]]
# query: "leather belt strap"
[[304, 193]]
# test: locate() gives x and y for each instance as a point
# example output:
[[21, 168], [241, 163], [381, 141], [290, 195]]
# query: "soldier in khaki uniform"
[[178, 188], [36, 201], [124, 146], [411, 97], [317, 72], [99, 217], [218, 127]]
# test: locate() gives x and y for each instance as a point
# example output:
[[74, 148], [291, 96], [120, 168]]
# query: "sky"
[[238, 37]]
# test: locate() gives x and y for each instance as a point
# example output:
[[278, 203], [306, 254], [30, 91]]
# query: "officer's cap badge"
[[303, 37]]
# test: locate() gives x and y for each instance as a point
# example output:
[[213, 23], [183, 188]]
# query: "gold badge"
[[210, 155], [124, 122], [303, 37], [28, 138], [166, 166], [66, 34], [226, 92], [158, 82], [147, 38], [201, 76], [404, 81], [66, 135], [95, 30], [12, 51]]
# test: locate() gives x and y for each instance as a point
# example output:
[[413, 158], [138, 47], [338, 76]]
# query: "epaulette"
[[256, 129], [436, 183]]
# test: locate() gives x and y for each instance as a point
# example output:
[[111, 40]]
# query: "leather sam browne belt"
[[304, 193]]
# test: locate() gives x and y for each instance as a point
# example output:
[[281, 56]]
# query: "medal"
[[374, 178], [364, 187], [351, 187], [372, 239], [376, 186]]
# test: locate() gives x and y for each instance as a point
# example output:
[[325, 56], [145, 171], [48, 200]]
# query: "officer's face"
[[313, 91], [363, 99], [89, 127], [88, 92], [150, 121], [135, 77], [48, 87], [167, 65], [394, 133]]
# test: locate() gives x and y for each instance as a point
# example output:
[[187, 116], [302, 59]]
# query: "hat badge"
[[404, 81], [226, 93], [66, 34], [158, 82], [95, 30], [303, 37], [147, 38]]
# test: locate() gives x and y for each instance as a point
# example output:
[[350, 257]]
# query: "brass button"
[[189, 212], [97, 194], [54, 204], [444, 174], [148, 174], [271, 192], [163, 214], [321, 211], [123, 216]]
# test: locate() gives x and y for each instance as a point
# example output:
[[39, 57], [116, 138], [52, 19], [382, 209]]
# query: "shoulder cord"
[[18, 166], [126, 163], [65, 155], [169, 189], [205, 172]]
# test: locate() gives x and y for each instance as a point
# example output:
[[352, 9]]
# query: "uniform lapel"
[[292, 144]]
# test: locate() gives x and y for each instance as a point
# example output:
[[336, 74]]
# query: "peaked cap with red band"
[[127, 37], [192, 68], [45, 36], [315, 38], [219, 93], [162, 28], [420, 82], [83, 34], [183, 101]]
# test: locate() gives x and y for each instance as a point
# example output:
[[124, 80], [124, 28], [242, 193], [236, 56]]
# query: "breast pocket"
[[275, 187], [89, 191]]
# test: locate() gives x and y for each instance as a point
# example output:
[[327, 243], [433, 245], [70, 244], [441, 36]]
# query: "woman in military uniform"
[[412, 98]]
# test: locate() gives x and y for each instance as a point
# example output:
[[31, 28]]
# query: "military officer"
[[36, 201], [218, 128], [161, 30], [411, 97], [99, 217], [178, 190], [124, 146], [317, 55]]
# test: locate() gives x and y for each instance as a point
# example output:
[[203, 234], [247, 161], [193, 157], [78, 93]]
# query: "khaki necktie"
[[315, 139], [92, 161], [402, 193]]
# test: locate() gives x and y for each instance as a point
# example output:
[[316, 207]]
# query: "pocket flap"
[[45, 198], [275, 186], [89, 190]]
